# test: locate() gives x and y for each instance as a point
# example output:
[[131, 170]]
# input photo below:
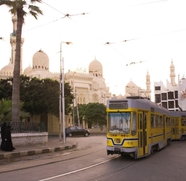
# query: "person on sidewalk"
[[3, 127], [7, 144]]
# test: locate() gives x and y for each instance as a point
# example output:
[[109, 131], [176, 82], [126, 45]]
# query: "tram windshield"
[[119, 122]]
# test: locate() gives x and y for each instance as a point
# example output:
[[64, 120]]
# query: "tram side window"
[[183, 122], [176, 122], [134, 123], [168, 122], [161, 121], [172, 122], [141, 121], [145, 120], [152, 121], [157, 121]]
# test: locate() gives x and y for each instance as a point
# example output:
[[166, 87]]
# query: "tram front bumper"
[[120, 150]]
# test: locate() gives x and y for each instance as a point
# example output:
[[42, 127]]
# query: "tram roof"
[[140, 103], [178, 113]]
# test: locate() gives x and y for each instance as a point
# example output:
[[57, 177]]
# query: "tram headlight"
[[117, 140], [109, 142], [130, 143]]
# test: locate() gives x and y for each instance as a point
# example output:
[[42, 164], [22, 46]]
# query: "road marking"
[[66, 153], [75, 171]]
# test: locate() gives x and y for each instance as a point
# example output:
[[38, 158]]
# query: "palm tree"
[[6, 110], [17, 8]]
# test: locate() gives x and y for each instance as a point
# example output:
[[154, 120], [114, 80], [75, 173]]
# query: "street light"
[[61, 95], [73, 99], [77, 109]]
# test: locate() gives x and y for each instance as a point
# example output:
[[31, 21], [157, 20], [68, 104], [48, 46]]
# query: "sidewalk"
[[53, 145]]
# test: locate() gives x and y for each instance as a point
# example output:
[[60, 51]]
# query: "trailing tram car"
[[137, 126], [178, 125]]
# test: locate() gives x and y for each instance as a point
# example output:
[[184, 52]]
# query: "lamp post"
[[73, 99], [77, 110], [61, 96]]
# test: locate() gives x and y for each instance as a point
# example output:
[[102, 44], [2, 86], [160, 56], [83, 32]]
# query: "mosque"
[[87, 87]]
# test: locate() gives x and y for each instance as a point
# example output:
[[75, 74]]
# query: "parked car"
[[76, 131]]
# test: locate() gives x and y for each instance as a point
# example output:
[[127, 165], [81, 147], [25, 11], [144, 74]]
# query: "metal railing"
[[27, 127]]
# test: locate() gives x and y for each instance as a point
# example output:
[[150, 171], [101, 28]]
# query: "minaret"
[[172, 74], [148, 90], [13, 42]]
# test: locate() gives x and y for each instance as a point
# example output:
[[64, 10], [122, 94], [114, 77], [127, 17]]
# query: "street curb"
[[7, 155]]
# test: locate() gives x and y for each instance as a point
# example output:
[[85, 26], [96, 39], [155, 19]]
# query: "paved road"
[[90, 162]]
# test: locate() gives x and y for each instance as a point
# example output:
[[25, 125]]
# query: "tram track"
[[113, 172]]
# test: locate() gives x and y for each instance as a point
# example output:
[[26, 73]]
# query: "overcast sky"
[[156, 30]]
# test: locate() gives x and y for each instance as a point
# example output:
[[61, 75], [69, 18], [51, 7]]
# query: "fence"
[[27, 127]]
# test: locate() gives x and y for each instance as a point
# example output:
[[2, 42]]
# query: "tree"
[[95, 113], [6, 88], [17, 8], [38, 95], [42, 96], [81, 109], [68, 98], [6, 110]]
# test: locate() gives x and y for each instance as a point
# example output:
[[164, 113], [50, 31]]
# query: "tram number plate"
[[117, 149]]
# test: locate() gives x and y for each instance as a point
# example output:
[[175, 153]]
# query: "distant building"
[[87, 87], [182, 94], [172, 96], [131, 89]]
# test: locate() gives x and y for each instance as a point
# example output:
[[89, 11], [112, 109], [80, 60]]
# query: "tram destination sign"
[[118, 105]]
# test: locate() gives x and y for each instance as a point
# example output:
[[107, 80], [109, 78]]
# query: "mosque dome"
[[95, 67], [131, 84], [27, 70], [40, 61], [120, 96], [8, 69]]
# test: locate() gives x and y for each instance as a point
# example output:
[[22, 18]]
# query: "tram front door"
[[142, 134]]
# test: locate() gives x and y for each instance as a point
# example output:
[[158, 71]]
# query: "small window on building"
[[164, 104], [176, 102], [171, 104], [157, 98], [176, 94], [157, 87], [170, 95], [164, 96]]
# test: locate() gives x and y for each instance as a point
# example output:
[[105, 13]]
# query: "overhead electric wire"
[[107, 43], [152, 2]]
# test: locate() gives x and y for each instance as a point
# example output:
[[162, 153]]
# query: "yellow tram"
[[137, 126], [178, 125]]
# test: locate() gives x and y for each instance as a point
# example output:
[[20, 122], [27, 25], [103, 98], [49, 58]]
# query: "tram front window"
[[119, 122]]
